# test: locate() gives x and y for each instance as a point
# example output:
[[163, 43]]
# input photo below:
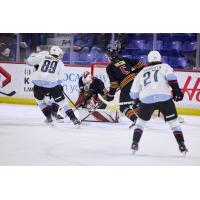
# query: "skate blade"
[[78, 126], [134, 152], [184, 153], [60, 120], [50, 124]]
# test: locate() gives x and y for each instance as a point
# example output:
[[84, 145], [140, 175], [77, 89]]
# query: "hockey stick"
[[71, 101], [90, 112], [114, 103], [8, 94], [118, 104]]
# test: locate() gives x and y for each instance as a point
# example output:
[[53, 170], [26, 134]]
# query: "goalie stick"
[[118, 104], [8, 94], [114, 103], [90, 113]]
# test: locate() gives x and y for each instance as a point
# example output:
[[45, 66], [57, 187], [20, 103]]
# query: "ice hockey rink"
[[26, 140]]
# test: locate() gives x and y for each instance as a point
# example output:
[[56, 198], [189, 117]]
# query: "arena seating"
[[172, 47]]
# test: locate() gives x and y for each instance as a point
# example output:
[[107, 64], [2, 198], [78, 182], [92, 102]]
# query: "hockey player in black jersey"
[[121, 72], [90, 87]]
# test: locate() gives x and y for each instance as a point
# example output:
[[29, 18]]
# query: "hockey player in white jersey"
[[156, 87], [47, 80]]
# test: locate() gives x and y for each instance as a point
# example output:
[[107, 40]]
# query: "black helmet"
[[112, 53]]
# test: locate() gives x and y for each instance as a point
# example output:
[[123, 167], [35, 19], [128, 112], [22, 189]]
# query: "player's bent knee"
[[174, 125], [63, 104], [140, 123], [41, 103]]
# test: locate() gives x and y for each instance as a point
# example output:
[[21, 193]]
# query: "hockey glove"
[[178, 95], [137, 104], [109, 97], [176, 91]]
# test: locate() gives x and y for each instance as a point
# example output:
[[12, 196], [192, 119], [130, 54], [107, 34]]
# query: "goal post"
[[98, 70]]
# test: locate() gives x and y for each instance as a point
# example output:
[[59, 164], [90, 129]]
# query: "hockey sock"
[[70, 114], [137, 135], [46, 111], [179, 136], [130, 113], [54, 107]]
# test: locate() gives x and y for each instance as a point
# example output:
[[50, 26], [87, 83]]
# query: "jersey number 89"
[[49, 66]]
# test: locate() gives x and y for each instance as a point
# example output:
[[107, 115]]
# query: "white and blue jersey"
[[49, 71], [151, 84]]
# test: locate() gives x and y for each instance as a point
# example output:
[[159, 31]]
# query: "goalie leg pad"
[[100, 115]]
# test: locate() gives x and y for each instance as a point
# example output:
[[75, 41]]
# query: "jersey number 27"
[[147, 77]]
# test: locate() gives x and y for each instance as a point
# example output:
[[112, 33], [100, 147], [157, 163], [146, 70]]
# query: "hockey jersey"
[[49, 71], [121, 72], [151, 84]]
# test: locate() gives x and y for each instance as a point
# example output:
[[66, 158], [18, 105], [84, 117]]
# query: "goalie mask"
[[87, 78]]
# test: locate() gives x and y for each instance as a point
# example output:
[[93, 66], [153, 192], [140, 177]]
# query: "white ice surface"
[[26, 140]]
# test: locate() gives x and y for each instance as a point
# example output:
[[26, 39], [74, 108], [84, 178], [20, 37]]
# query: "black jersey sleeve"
[[101, 87], [137, 65], [113, 82]]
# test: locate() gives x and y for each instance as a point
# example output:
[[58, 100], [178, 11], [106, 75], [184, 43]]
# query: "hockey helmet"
[[154, 56], [112, 54], [56, 51], [87, 78]]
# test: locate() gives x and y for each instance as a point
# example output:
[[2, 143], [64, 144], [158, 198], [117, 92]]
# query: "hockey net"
[[98, 69]]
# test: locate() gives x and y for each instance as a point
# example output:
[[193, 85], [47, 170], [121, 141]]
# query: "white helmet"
[[154, 56], [57, 51], [87, 78]]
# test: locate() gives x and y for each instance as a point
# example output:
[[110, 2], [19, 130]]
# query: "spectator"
[[101, 42], [4, 55], [122, 40], [7, 46], [30, 42], [83, 42]]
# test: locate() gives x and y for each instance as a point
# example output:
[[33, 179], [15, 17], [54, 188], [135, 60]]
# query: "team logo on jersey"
[[120, 63]]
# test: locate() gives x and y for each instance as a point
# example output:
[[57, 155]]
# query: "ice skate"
[[183, 148], [49, 121], [76, 122], [134, 147], [59, 118]]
